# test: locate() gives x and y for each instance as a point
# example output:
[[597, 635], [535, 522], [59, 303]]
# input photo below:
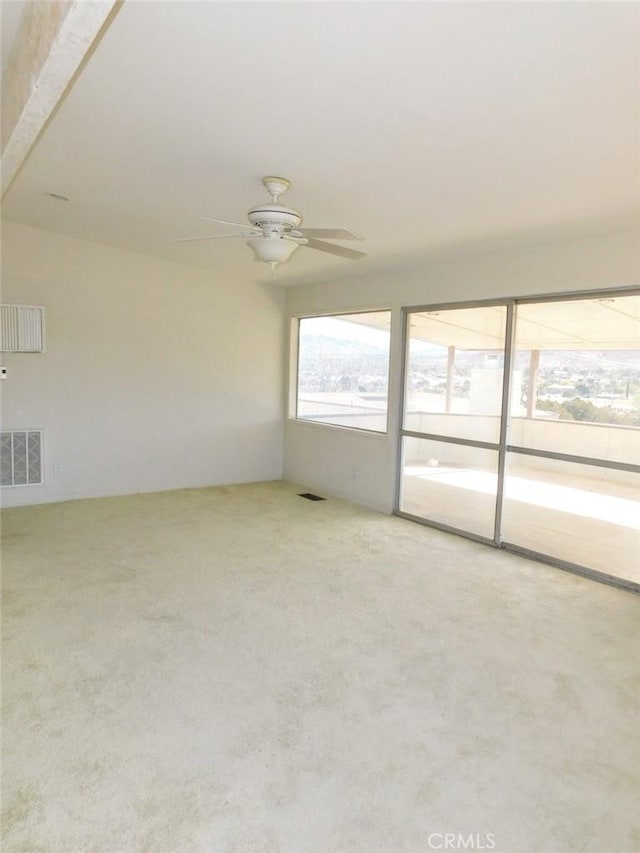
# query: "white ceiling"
[[424, 126], [10, 15]]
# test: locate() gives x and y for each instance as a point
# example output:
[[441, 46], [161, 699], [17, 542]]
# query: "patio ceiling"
[[606, 323]]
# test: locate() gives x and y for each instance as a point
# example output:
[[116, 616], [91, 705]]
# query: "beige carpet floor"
[[238, 669]]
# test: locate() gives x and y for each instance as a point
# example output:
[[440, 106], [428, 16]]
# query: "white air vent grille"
[[21, 328], [21, 458]]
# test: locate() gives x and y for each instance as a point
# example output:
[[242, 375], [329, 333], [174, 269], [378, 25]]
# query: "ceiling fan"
[[274, 231]]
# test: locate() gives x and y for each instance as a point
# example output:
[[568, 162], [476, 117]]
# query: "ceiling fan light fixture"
[[272, 250]]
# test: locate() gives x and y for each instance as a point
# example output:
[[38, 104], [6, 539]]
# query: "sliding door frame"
[[503, 447]]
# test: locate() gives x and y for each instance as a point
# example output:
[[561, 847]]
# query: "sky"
[[345, 330]]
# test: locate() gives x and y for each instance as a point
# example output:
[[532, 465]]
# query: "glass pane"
[[343, 370], [454, 376], [450, 483], [585, 515], [580, 367]]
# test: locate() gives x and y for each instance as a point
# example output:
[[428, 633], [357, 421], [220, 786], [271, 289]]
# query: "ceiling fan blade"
[[334, 250], [244, 226], [330, 233], [211, 237]]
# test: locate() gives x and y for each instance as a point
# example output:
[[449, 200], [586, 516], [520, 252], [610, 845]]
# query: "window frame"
[[294, 338]]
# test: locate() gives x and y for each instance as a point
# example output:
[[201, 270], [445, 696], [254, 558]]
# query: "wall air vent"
[[21, 328], [21, 458]]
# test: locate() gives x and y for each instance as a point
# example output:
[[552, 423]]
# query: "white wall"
[[156, 375], [363, 469]]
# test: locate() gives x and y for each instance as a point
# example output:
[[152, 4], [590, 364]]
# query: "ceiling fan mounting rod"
[[276, 186]]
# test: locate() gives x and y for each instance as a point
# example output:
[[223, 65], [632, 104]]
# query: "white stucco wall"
[[155, 376]]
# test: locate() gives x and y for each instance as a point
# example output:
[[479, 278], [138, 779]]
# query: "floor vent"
[[21, 458], [310, 497]]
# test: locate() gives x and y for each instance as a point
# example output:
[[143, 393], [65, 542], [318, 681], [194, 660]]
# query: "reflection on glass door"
[[452, 484], [581, 514], [560, 480]]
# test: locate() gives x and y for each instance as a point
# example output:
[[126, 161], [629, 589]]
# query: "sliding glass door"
[[572, 487], [521, 427], [454, 380]]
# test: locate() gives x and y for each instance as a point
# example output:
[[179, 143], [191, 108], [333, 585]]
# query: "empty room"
[[320, 444]]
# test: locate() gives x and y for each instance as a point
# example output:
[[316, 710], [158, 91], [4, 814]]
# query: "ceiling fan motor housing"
[[274, 217]]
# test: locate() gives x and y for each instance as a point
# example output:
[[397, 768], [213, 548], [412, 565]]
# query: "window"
[[343, 370]]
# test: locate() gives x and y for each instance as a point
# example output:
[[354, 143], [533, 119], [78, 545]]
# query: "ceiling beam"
[[53, 40]]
